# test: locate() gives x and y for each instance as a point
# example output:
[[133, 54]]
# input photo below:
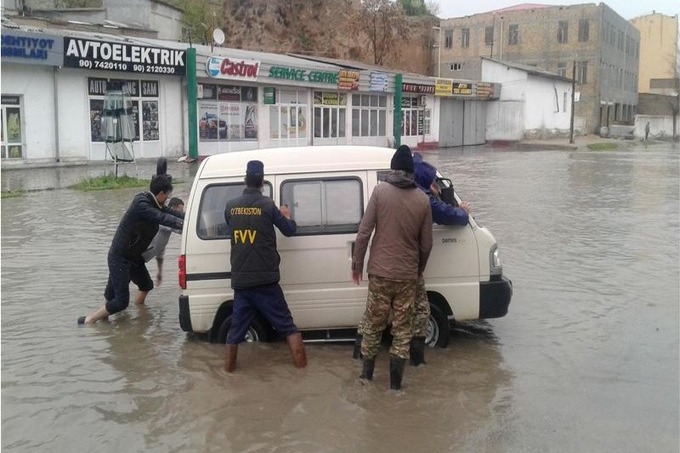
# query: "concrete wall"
[[35, 85], [543, 111], [660, 127], [658, 48]]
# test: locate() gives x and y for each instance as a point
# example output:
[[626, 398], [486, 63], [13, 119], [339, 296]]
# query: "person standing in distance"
[[135, 232], [399, 214], [255, 266], [442, 214]]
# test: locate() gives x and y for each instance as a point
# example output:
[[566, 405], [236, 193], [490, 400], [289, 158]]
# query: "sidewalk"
[[562, 143]]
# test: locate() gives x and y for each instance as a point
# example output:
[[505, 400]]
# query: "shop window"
[[12, 128], [143, 96], [324, 205], [288, 118], [415, 117], [229, 115], [368, 115], [329, 114]]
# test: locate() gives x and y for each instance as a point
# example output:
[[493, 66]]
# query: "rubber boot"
[[367, 370], [230, 361], [396, 372], [417, 351], [356, 354], [297, 350]]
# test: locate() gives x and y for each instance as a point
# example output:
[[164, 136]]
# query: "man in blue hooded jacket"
[[443, 213]]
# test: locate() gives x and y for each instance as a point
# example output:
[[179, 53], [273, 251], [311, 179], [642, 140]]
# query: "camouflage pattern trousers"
[[421, 310], [384, 297]]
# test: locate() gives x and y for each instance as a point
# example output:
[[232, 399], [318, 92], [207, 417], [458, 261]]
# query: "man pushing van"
[[255, 266]]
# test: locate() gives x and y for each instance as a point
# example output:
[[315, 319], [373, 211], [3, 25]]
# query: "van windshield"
[[211, 223]]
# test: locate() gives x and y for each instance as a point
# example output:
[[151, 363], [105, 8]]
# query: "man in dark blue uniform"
[[255, 266], [137, 228]]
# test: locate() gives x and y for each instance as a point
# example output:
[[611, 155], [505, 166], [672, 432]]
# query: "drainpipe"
[[192, 90], [56, 113], [396, 129]]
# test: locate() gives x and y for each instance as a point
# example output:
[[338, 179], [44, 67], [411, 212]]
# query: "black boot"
[[417, 351], [356, 353], [367, 371], [396, 372]]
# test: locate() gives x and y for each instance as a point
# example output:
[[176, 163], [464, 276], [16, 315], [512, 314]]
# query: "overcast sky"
[[628, 9]]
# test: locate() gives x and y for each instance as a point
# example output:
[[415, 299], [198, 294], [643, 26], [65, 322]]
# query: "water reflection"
[[590, 345]]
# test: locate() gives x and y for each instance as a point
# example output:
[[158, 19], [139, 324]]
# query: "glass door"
[[12, 135]]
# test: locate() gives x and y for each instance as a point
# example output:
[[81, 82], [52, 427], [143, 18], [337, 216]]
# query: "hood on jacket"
[[424, 173], [401, 179]]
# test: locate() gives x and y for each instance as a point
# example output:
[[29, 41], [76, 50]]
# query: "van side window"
[[322, 206], [211, 223]]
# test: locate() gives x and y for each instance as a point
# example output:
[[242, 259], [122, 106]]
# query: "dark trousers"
[[268, 300], [122, 271]]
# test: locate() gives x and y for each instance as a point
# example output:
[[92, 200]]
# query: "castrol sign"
[[232, 68]]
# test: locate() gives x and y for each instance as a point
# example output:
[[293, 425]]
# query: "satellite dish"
[[218, 36]]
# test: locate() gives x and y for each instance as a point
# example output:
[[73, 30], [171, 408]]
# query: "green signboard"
[[301, 75], [269, 95]]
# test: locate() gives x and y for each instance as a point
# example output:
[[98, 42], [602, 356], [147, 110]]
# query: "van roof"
[[303, 159]]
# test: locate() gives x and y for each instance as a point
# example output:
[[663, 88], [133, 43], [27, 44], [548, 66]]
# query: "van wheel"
[[257, 331], [438, 330]]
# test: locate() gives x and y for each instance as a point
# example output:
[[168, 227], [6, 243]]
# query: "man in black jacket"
[[255, 266], [137, 228]]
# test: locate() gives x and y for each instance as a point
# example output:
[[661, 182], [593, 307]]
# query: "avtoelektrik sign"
[[123, 57]]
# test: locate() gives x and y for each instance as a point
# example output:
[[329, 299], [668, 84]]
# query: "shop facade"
[[54, 87]]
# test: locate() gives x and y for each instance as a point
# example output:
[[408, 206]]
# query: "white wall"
[[659, 126], [529, 105], [35, 85]]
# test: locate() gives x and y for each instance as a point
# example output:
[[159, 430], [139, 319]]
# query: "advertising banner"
[[32, 48], [232, 68], [122, 57]]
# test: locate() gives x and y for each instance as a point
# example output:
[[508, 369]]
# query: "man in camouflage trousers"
[[400, 214]]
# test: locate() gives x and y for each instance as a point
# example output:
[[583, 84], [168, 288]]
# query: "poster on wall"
[[207, 123], [96, 109], [251, 121], [150, 120], [231, 123]]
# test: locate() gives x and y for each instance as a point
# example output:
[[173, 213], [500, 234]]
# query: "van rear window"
[[324, 206], [211, 223]]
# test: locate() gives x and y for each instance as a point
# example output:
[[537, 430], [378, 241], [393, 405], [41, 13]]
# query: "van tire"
[[439, 328], [258, 331]]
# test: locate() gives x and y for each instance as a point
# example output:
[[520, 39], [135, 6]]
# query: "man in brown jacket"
[[400, 214]]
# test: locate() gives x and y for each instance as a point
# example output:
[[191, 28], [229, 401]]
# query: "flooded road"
[[585, 361]]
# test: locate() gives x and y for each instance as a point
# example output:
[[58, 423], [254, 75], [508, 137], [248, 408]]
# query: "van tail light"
[[182, 273]]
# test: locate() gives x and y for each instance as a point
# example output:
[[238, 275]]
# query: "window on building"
[[582, 72], [562, 31], [566, 101], [142, 96], [583, 30], [488, 35], [227, 113], [620, 46], [415, 116], [448, 39], [465, 38], [324, 205], [562, 69], [330, 109], [12, 128], [513, 34], [211, 222], [369, 113], [456, 66], [289, 117]]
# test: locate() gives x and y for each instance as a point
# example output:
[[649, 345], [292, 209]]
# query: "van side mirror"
[[446, 191]]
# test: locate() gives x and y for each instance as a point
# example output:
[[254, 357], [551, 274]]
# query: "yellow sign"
[[442, 87]]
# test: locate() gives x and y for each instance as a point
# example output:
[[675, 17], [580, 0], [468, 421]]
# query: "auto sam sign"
[[123, 57]]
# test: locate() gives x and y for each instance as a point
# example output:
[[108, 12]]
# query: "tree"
[[384, 22], [199, 21]]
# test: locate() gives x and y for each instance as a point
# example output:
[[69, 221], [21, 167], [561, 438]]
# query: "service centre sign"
[[232, 68], [123, 57], [303, 75], [31, 48]]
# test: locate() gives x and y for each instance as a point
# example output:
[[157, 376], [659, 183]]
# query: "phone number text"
[[130, 67]]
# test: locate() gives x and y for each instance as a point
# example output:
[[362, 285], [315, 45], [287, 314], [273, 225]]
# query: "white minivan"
[[326, 189]]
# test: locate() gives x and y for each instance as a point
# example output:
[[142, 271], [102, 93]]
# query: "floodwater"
[[585, 361]]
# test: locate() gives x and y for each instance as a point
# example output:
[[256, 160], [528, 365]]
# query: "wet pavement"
[[587, 359]]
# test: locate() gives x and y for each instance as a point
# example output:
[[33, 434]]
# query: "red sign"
[[227, 68]]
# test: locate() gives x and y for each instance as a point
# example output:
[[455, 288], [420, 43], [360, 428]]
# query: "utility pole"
[[573, 94]]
